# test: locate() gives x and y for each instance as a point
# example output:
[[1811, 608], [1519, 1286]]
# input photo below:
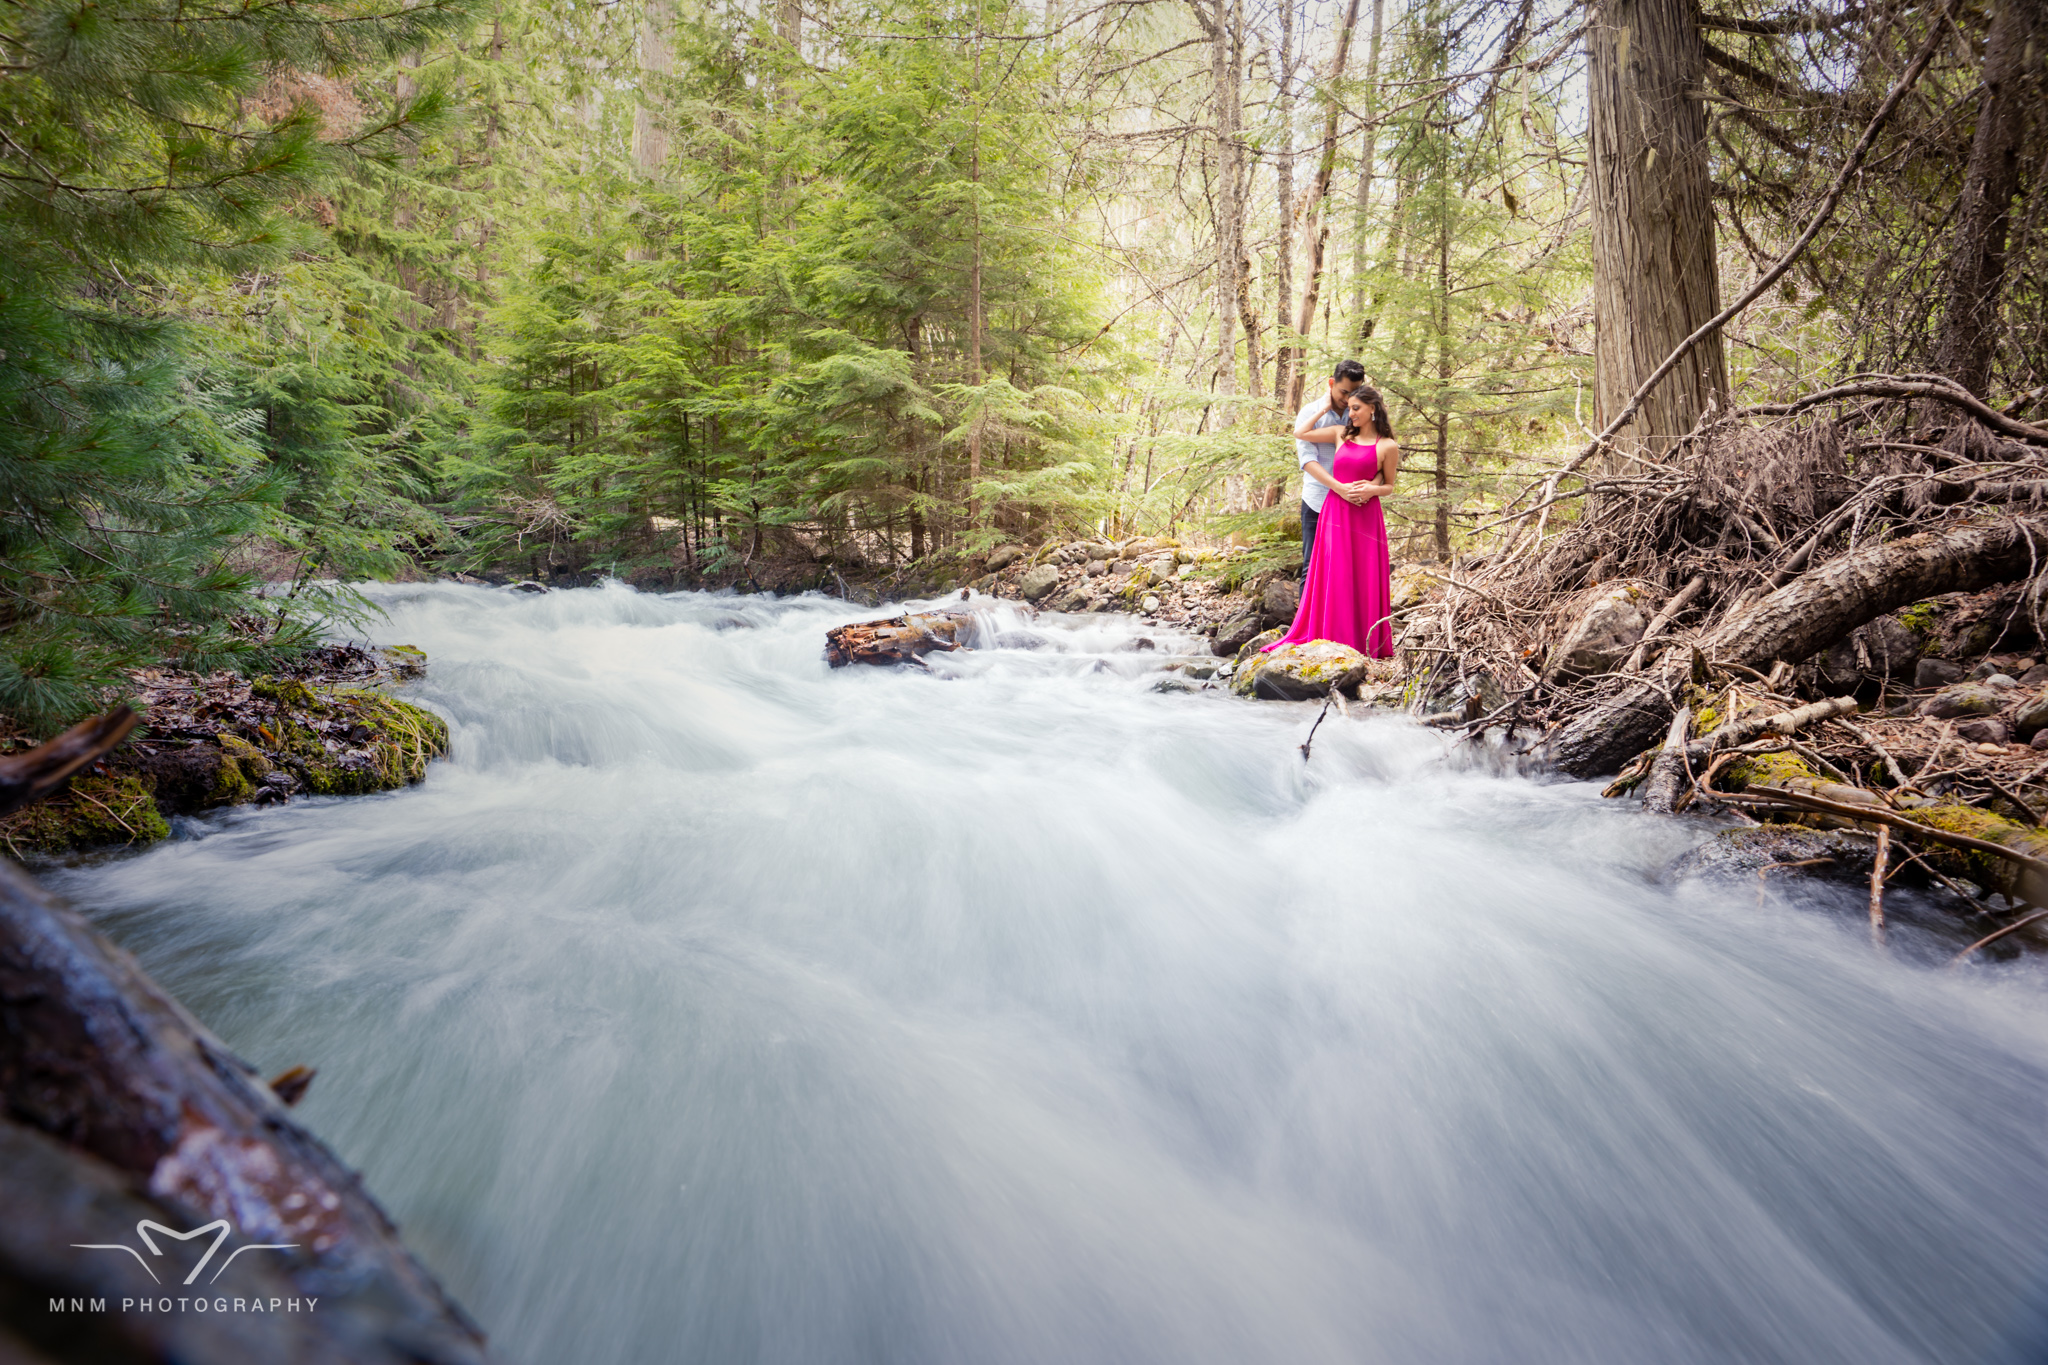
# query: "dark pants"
[[1308, 535]]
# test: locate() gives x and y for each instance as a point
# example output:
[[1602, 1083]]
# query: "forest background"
[[296, 294]]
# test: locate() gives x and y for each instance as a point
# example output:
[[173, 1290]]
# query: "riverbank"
[[328, 725]]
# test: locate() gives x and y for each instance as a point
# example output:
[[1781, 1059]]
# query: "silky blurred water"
[[709, 1005]]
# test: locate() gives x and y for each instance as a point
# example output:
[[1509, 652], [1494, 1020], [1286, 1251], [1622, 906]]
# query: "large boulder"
[[1893, 650], [1606, 627], [1878, 650], [1298, 672], [1236, 630], [1036, 583], [1964, 699], [1004, 556], [1137, 583], [1251, 648]]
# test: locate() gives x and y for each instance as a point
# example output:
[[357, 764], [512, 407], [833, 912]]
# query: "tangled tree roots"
[[1750, 547]]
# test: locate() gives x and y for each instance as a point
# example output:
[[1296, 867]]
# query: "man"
[[1325, 410]]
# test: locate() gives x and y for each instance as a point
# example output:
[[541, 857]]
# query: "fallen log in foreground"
[[124, 1113], [898, 639]]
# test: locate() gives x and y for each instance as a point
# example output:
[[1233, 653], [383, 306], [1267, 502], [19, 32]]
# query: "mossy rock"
[[114, 808], [242, 769], [1986, 869], [1922, 618], [378, 743], [1297, 672], [390, 745], [407, 661], [1766, 770], [1251, 650], [1963, 699]]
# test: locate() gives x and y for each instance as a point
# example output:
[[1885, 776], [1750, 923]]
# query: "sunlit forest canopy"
[[297, 294]]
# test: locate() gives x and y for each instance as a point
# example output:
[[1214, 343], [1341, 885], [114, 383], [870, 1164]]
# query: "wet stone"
[[1987, 730], [1936, 673], [1962, 699], [1038, 582]]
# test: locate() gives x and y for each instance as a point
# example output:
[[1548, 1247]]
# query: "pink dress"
[[1349, 588]]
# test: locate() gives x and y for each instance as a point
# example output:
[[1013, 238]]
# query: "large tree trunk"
[[1654, 276], [1226, 195], [1801, 619], [1283, 178], [650, 133], [1368, 145], [1317, 228], [1976, 263]]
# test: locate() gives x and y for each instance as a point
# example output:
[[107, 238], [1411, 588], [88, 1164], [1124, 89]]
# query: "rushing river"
[[710, 1006]]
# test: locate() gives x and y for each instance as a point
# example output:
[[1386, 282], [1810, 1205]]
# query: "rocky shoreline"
[[326, 726]]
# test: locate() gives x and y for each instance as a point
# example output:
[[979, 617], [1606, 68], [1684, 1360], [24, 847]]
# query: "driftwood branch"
[[1668, 770], [897, 639], [1802, 617], [1892, 386], [2033, 871], [29, 777], [1669, 613], [1999, 934], [1777, 723], [1871, 742]]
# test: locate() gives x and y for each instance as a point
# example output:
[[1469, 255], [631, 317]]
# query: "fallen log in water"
[[121, 1111], [898, 639]]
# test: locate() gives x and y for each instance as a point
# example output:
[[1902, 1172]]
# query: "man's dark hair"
[[1349, 369]]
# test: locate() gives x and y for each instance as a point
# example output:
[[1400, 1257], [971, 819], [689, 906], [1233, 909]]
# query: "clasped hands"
[[1362, 492]]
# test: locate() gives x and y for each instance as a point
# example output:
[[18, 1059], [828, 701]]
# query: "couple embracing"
[[1346, 446]]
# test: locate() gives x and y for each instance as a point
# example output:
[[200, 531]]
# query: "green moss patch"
[[356, 741], [112, 808], [1766, 770], [333, 741]]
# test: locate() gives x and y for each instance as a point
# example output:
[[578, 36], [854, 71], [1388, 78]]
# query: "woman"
[[1349, 589]]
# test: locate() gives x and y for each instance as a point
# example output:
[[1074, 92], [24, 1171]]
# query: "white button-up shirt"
[[1322, 453]]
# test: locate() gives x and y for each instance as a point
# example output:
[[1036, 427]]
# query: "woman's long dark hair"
[[1382, 425]]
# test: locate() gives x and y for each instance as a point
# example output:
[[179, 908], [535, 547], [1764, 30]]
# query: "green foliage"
[[137, 458], [778, 343], [1468, 272]]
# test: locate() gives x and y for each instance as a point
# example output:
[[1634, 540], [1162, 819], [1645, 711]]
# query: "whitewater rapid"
[[708, 1005]]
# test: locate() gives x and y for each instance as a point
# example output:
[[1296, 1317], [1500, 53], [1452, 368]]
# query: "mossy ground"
[[325, 740], [99, 809]]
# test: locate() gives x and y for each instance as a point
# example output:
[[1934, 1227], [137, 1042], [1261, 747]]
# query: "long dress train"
[[1349, 589]]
